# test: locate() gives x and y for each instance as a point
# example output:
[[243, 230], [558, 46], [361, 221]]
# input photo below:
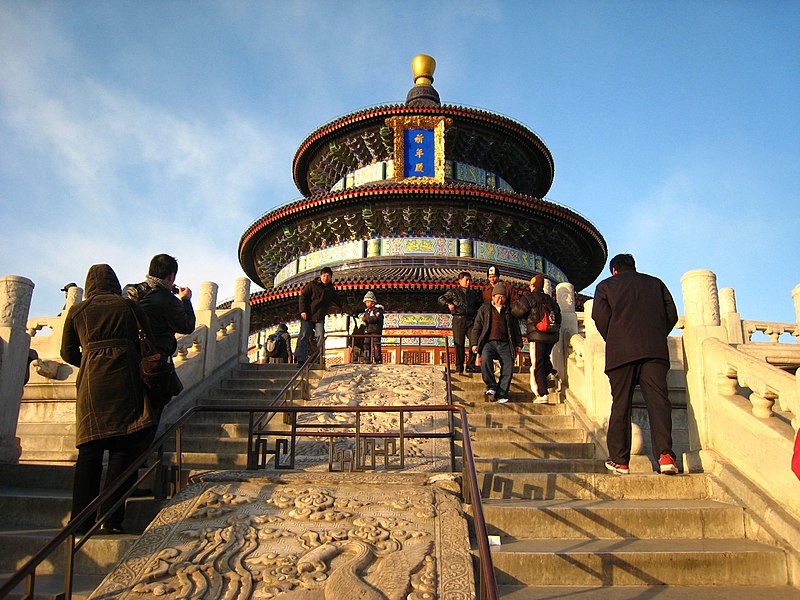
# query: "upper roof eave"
[[363, 116]]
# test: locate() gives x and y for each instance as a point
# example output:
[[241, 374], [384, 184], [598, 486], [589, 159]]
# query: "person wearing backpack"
[[279, 345], [543, 319]]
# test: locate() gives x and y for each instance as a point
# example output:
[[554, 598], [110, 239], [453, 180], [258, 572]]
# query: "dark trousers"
[[375, 350], [461, 326], [308, 329], [541, 365], [122, 451], [651, 376], [501, 351]]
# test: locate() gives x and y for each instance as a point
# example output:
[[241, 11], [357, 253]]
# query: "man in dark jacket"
[[542, 336], [463, 303], [166, 313], [101, 336], [315, 300], [495, 335], [634, 313]]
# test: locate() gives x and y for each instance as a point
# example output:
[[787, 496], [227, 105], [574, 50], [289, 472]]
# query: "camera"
[[175, 289]]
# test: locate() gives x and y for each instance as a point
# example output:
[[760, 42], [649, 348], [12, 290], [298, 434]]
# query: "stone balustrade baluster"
[[796, 298], [241, 300], [701, 321], [206, 315], [762, 403], [565, 296], [730, 317], [15, 302]]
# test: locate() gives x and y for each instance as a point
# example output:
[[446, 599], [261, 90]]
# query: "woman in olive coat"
[[101, 336]]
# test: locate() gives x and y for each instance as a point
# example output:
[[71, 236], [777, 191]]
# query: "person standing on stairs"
[[169, 309], [315, 300], [496, 335], [373, 319], [101, 336], [463, 303], [543, 319], [634, 313]]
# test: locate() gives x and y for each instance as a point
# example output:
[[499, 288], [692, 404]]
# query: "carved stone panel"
[[317, 537]]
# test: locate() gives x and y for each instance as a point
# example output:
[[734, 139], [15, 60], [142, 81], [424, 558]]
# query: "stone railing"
[[742, 399], [219, 340]]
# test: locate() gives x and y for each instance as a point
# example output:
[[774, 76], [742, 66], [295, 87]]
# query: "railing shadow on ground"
[[169, 481]]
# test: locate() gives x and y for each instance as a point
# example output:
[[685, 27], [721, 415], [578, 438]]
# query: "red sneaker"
[[617, 468], [667, 465]]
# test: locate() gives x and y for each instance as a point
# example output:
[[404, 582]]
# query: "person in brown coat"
[[634, 313], [101, 336]]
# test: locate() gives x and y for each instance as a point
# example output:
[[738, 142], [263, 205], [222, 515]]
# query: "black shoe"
[[111, 529], [473, 369]]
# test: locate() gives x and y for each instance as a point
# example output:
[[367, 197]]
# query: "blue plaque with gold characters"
[[419, 153], [419, 148]]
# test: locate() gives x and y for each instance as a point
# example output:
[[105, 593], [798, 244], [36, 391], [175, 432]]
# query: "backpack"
[[547, 324], [273, 344]]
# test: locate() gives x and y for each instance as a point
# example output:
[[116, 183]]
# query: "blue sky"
[[136, 127]]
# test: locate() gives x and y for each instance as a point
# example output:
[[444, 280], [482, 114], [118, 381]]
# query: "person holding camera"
[[169, 310]]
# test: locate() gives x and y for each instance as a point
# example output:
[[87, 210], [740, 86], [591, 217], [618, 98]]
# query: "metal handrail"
[[470, 491]]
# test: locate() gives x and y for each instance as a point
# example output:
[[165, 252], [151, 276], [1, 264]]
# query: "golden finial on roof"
[[423, 67]]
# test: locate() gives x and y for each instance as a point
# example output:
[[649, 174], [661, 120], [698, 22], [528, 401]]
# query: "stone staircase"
[[570, 529], [218, 440], [35, 497]]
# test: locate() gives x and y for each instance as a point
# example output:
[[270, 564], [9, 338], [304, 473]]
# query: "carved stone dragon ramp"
[[302, 536]]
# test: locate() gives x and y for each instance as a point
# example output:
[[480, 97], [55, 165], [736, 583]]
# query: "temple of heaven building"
[[398, 199]]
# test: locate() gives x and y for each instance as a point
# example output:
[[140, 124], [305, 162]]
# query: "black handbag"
[[156, 369]]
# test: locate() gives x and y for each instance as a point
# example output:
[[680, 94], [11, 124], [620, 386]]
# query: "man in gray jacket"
[[634, 313]]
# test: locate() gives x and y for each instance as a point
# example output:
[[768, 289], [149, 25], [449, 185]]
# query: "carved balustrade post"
[[730, 317], [702, 320], [206, 315], [241, 301], [596, 394], [796, 298], [565, 296], [15, 302]]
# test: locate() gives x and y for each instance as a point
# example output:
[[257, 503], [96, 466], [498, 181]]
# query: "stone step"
[[210, 460], [591, 486], [523, 434], [50, 508], [476, 386], [37, 476], [254, 395], [634, 562], [249, 383], [50, 586], [640, 592], [504, 449], [539, 465], [518, 419], [644, 519], [96, 557], [514, 408], [479, 399]]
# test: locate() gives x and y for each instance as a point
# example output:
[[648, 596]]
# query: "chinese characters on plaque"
[[419, 156]]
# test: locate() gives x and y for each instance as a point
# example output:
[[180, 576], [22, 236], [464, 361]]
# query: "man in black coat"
[[169, 311], [463, 303], [634, 313], [315, 300]]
